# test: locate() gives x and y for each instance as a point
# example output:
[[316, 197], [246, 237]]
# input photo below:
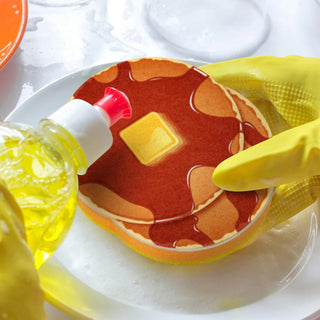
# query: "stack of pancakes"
[[154, 188]]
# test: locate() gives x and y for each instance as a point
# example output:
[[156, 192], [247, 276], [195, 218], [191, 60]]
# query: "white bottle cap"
[[89, 125]]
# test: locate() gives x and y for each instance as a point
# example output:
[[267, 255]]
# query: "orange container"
[[13, 20]]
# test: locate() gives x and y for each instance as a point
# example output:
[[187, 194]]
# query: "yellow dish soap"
[[40, 167]]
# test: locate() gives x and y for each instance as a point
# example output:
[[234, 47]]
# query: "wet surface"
[[61, 40]]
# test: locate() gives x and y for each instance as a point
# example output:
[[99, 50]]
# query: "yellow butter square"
[[149, 138]]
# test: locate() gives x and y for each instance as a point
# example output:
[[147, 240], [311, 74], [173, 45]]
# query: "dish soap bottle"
[[40, 167]]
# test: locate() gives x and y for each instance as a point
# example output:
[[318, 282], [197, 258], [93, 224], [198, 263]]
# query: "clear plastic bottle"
[[40, 167]]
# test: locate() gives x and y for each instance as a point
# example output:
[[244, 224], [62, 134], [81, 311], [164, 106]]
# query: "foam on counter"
[[105, 264]]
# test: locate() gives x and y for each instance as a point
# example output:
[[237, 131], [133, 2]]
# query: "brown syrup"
[[163, 187], [245, 202], [252, 135], [169, 233]]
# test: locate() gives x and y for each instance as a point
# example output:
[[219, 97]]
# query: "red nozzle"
[[116, 104]]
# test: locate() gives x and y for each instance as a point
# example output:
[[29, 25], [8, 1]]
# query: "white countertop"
[[61, 40]]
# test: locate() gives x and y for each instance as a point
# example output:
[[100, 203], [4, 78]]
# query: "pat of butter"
[[150, 138]]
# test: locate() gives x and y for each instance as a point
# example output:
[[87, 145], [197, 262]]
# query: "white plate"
[[94, 275]]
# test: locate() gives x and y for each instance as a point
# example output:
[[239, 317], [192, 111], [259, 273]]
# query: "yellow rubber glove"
[[20, 294], [285, 158], [287, 92]]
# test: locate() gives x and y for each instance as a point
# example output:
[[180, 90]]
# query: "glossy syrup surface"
[[164, 188]]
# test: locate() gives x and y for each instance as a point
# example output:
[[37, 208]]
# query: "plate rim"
[[51, 297], [53, 264]]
